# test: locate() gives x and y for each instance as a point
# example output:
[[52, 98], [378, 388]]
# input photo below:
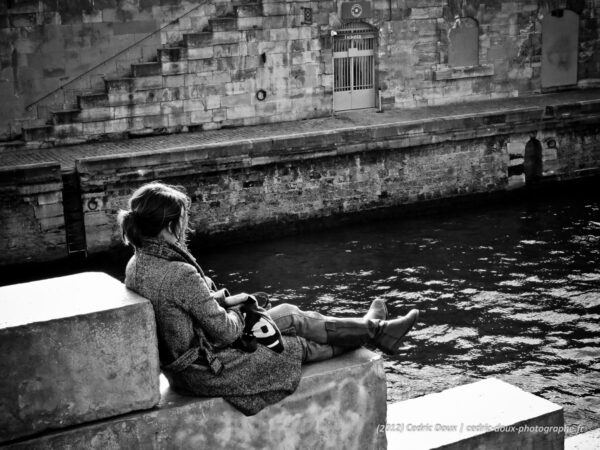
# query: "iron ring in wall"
[[261, 94]]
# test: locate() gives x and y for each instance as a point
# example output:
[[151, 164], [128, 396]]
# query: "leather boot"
[[386, 335], [391, 332], [377, 310]]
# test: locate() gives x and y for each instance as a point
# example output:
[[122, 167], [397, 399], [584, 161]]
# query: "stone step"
[[31, 134], [146, 69], [197, 40], [65, 116], [486, 414], [131, 84], [338, 404], [95, 100], [172, 54], [74, 349], [223, 24], [82, 115], [254, 9]]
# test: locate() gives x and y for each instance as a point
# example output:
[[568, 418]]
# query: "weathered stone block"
[[198, 40], [200, 53], [223, 24], [172, 54], [173, 68], [492, 414], [74, 349], [146, 69], [249, 23], [96, 114], [241, 111], [338, 405]]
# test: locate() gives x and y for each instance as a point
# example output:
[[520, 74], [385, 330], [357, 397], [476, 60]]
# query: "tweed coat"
[[195, 334]]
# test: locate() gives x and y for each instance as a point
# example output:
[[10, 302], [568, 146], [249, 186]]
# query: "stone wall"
[[32, 225], [206, 69], [259, 185], [232, 192]]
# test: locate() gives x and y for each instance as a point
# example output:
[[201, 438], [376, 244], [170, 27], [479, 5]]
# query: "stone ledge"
[[455, 73], [585, 441], [245, 153], [338, 405], [74, 349], [464, 417]]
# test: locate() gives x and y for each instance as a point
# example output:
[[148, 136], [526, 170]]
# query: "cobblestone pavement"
[[67, 156]]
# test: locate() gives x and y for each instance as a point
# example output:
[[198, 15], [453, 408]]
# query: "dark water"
[[511, 292], [506, 291]]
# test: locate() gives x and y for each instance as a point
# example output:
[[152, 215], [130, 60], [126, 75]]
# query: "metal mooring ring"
[[261, 94]]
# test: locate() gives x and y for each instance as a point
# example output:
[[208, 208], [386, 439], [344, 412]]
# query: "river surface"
[[508, 291]]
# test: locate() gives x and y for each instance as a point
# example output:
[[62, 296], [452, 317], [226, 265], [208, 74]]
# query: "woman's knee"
[[282, 310]]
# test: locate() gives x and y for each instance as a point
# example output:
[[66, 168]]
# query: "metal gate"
[[354, 67]]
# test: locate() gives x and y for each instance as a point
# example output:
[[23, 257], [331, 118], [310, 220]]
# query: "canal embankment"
[[255, 181]]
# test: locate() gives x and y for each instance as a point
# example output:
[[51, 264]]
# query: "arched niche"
[[533, 161], [560, 42], [463, 43]]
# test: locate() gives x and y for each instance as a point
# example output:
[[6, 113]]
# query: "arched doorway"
[[354, 66], [533, 163]]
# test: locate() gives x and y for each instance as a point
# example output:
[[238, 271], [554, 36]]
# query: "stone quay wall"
[[259, 186], [266, 184], [32, 224], [145, 72]]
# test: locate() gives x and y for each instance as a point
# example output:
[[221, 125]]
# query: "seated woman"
[[199, 328]]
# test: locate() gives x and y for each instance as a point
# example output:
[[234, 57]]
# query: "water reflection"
[[511, 292]]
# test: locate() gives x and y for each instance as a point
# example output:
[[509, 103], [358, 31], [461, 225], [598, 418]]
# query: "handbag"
[[259, 327]]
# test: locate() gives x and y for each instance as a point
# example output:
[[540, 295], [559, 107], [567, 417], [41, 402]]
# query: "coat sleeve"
[[221, 326]]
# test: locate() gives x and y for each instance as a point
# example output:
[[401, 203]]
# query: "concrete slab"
[[584, 441], [338, 405], [482, 415], [74, 349]]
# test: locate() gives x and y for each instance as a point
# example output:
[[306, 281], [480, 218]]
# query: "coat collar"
[[171, 252]]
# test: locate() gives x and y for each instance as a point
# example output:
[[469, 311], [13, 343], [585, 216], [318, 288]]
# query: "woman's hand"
[[236, 299]]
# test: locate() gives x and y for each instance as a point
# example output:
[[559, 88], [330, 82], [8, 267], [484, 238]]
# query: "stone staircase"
[[208, 80]]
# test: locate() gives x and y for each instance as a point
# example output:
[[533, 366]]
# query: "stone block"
[[92, 128], [51, 210], [92, 101], [199, 40], [200, 53], [135, 110], [36, 133], [74, 349], [95, 114], [241, 112], [249, 10], [492, 414], [249, 23], [223, 24], [584, 441], [174, 68], [146, 69], [172, 54], [338, 405]]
